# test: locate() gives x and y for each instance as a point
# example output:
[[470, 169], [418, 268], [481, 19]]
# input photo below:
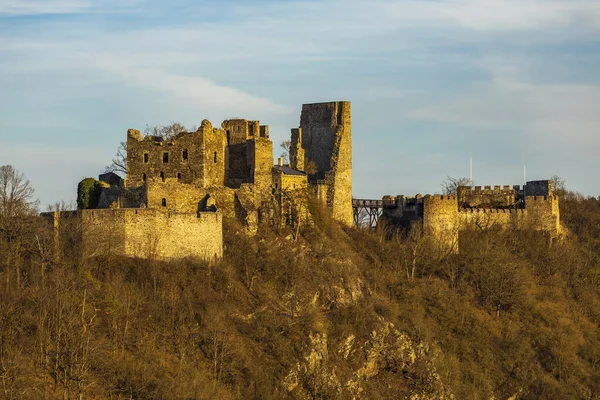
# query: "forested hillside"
[[326, 314]]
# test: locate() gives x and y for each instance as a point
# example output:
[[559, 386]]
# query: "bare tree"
[[558, 184], [285, 154], [119, 161], [451, 185], [16, 194], [165, 132], [16, 202]]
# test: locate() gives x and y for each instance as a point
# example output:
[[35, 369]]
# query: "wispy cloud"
[[499, 15], [41, 7], [559, 118], [411, 68]]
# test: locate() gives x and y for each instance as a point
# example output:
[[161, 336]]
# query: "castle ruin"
[[177, 190], [534, 206]]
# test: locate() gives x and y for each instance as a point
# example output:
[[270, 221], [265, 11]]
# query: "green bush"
[[88, 193]]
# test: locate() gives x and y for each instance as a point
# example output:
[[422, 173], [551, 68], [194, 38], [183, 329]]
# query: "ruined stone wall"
[[442, 216], [237, 131], [103, 232], [487, 196], [224, 199], [260, 161], [538, 188], [485, 218], [296, 150], [178, 197], [283, 182], [149, 233], [247, 153], [327, 143], [291, 194], [214, 155], [181, 158], [544, 213]]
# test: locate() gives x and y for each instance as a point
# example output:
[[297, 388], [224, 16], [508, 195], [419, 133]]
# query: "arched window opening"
[[179, 176], [164, 202]]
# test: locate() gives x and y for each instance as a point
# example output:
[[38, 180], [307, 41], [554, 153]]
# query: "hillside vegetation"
[[330, 314]]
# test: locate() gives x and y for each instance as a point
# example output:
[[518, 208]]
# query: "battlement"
[[552, 197], [430, 198], [122, 213], [518, 211], [134, 134], [488, 190]]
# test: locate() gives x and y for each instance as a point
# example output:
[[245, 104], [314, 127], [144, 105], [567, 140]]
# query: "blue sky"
[[432, 83]]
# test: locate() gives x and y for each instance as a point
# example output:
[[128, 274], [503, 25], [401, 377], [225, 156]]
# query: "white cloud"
[[38, 7], [495, 15], [562, 118]]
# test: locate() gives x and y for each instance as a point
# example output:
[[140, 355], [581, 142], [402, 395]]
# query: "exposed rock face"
[[353, 365], [371, 361]]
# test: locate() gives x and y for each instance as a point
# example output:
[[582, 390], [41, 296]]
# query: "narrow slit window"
[[164, 202], [215, 157], [146, 158], [144, 178], [162, 176], [184, 154], [165, 157]]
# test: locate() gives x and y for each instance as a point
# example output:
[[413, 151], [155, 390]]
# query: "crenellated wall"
[[445, 216]]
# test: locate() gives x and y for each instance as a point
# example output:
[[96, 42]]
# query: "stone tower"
[[326, 136]]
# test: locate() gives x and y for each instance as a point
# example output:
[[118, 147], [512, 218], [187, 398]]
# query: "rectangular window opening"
[[184, 155], [146, 158], [165, 158]]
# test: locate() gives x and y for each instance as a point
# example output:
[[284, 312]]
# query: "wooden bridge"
[[367, 212]]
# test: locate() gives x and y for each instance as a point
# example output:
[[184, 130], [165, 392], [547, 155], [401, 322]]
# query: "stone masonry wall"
[[181, 158], [544, 213], [148, 233], [260, 160], [327, 142], [214, 145], [296, 150], [443, 218], [178, 197], [487, 196]]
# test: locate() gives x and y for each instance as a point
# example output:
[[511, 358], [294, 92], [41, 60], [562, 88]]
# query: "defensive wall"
[[145, 233], [502, 207]]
